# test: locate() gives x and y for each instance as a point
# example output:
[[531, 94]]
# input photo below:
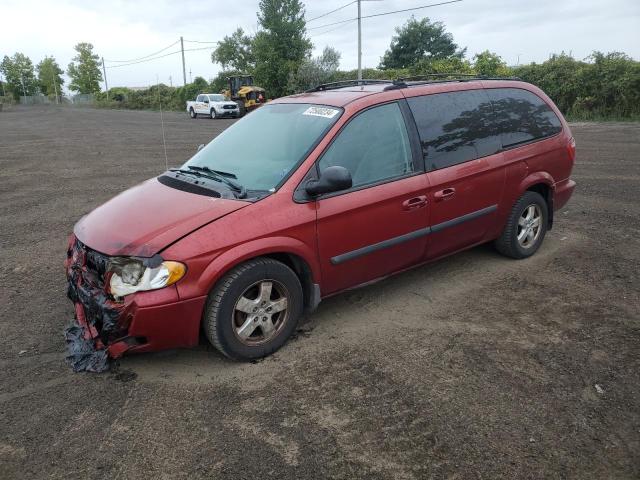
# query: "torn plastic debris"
[[82, 353], [97, 332]]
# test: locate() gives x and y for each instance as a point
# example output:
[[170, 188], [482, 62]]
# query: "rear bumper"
[[143, 322], [562, 193]]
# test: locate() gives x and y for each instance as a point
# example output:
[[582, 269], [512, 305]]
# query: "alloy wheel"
[[260, 312], [529, 226]]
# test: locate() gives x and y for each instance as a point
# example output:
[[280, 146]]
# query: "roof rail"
[[346, 83], [405, 82]]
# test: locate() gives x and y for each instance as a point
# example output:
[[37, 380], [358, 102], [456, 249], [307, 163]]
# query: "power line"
[[334, 23], [332, 11], [410, 9], [198, 41], [143, 61], [160, 56], [326, 31], [386, 13], [146, 56]]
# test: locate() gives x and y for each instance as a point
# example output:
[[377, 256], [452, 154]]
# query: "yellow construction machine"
[[242, 91]]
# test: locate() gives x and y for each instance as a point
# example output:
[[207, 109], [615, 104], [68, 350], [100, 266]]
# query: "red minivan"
[[308, 196]]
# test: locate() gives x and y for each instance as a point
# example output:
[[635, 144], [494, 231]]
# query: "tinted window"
[[455, 127], [374, 146], [522, 116]]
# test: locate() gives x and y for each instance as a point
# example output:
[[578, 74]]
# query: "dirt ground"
[[473, 367]]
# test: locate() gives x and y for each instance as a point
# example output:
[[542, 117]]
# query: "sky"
[[518, 30]]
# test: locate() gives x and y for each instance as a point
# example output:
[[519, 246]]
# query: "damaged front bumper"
[[98, 331], [105, 328]]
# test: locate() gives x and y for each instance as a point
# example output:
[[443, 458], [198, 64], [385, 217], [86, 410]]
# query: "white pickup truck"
[[212, 104]]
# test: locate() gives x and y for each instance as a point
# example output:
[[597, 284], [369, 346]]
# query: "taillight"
[[571, 149]]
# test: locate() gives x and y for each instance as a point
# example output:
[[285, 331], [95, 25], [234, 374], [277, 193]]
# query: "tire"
[[213, 113], [193, 114], [241, 110], [236, 319], [520, 239]]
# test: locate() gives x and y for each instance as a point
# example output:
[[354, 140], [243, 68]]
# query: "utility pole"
[[104, 71], [359, 42], [184, 70], [190, 76], [24, 92], [170, 82], [55, 87]]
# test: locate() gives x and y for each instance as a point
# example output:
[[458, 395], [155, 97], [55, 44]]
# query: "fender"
[[534, 178], [512, 194], [255, 248]]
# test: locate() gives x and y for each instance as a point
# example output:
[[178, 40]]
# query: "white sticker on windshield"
[[321, 112]]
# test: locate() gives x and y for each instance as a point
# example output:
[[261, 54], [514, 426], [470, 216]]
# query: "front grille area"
[[229, 107]]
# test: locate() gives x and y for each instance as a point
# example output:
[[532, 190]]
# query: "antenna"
[[164, 143]]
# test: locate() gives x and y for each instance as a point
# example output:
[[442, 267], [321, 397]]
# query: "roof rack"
[[441, 78], [404, 82], [346, 83]]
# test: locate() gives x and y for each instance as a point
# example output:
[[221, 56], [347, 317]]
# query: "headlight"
[[130, 276]]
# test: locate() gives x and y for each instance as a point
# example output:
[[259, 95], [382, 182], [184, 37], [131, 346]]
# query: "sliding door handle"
[[444, 194]]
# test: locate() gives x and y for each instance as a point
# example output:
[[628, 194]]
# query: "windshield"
[[216, 98], [261, 149]]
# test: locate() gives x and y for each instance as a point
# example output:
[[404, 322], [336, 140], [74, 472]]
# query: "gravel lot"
[[473, 367]]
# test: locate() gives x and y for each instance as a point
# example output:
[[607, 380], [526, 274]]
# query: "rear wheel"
[[192, 113], [254, 309], [526, 227]]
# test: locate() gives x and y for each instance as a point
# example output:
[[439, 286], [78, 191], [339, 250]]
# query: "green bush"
[[605, 86]]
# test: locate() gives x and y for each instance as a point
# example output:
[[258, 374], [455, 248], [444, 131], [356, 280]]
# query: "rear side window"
[[522, 116], [374, 146], [455, 127]]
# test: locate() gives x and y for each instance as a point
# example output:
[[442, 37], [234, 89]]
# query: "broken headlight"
[[129, 275]]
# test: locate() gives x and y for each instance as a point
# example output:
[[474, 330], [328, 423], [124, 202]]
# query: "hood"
[[145, 219]]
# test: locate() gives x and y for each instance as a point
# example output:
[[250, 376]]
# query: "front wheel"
[[213, 113], [526, 227], [254, 309], [192, 113]]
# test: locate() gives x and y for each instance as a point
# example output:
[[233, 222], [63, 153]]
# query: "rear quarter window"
[[455, 127], [522, 116]]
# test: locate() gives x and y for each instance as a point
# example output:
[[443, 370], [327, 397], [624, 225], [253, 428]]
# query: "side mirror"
[[206, 100], [332, 179], [201, 146]]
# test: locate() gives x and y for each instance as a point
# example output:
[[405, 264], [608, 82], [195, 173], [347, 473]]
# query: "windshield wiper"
[[207, 169], [238, 190]]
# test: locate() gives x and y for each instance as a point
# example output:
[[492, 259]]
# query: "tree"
[[84, 70], [420, 40], [314, 71], [489, 64], [235, 52], [281, 46], [49, 78], [19, 75]]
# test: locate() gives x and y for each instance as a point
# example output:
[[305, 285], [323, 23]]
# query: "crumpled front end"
[[99, 330]]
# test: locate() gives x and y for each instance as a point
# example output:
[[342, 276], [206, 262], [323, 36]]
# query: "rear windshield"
[[264, 147]]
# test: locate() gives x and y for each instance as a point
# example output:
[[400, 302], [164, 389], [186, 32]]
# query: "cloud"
[[122, 30]]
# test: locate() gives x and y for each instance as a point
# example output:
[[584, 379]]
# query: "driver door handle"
[[415, 202]]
